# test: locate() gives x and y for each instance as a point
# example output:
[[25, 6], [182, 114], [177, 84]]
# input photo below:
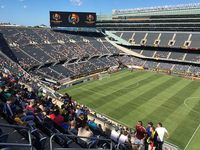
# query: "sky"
[[36, 12]]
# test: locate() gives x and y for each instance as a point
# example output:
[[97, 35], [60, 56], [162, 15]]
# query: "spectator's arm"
[[167, 134]]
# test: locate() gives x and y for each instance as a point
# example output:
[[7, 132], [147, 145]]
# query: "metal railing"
[[18, 144], [81, 137]]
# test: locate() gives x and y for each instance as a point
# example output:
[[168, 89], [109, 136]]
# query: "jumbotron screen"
[[72, 19]]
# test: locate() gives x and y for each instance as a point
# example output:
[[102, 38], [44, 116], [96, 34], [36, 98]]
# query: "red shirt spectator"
[[30, 107], [59, 120], [52, 116], [140, 131]]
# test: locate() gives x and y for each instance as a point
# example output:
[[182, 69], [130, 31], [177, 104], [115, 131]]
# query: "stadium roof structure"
[[193, 8]]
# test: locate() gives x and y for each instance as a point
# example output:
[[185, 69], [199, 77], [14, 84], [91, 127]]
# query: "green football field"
[[131, 96]]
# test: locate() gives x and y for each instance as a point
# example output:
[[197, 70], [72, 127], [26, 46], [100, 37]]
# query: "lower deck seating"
[[151, 65], [161, 54], [193, 57], [165, 66], [148, 53], [176, 55]]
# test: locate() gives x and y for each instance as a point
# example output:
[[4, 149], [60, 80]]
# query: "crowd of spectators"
[[29, 106], [7, 65]]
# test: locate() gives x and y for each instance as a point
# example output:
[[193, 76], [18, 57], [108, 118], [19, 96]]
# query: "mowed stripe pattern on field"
[[132, 96]]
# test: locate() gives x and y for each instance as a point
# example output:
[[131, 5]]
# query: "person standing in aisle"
[[161, 134]]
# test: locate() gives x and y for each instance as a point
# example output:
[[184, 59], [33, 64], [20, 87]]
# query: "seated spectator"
[[49, 103], [18, 116], [12, 79], [30, 107], [59, 119], [100, 129], [92, 124], [10, 107], [41, 105], [81, 120], [123, 138], [20, 101], [32, 95], [29, 119], [40, 115], [2, 91], [78, 111], [85, 132], [51, 115], [66, 98], [114, 135], [64, 112], [72, 127], [24, 92]]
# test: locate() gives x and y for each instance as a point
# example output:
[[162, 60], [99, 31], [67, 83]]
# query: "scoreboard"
[[72, 19]]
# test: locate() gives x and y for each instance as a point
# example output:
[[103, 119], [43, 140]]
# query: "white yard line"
[[192, 137], [195, 112]]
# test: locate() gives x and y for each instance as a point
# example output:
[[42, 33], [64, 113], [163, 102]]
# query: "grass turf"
[[131, 96]]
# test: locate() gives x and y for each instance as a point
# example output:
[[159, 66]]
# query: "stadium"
[[85, 81]]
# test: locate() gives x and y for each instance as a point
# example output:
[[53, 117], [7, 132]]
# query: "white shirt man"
[[123, 139], [161, 133], [114, 135]]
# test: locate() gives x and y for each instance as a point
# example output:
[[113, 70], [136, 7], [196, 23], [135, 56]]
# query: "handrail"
[[13, 126], [17, 144], [75, 136]]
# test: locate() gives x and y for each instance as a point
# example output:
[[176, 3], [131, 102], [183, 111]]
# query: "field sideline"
[[131, 96]]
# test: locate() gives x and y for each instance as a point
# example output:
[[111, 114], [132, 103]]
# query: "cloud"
[[25, 6], [76, 2], [2, 6]]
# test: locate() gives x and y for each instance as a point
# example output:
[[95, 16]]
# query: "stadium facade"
[[129, 14], [174, 18]]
